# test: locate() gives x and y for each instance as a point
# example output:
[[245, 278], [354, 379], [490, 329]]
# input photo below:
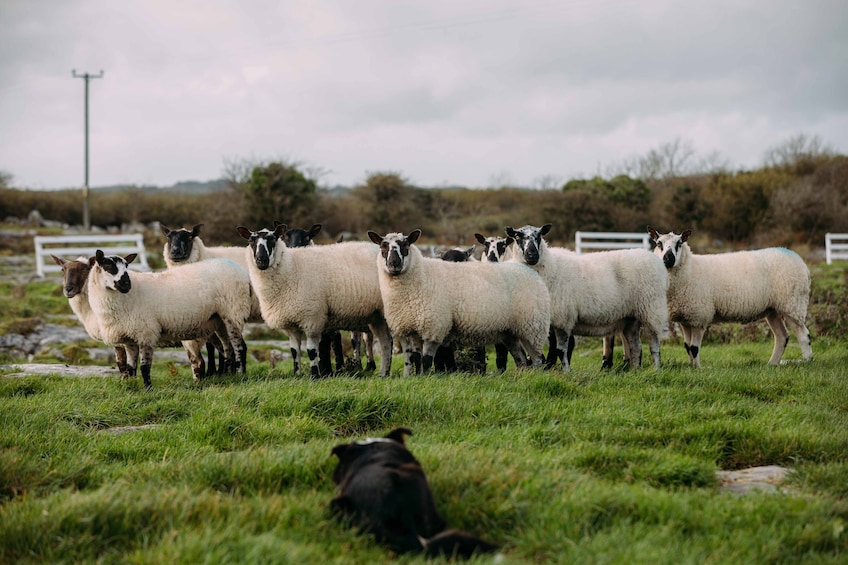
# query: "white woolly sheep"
[[299, 237], [310, 290], [75, 289], [599, 294], [428, 301], [742, 286], [445, 359], [497, 249], [186, 304], [184, 247]]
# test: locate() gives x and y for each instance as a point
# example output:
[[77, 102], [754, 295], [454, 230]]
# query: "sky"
[[444, 92]]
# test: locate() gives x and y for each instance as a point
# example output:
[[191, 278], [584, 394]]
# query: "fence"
[[836, 247], [73, 246], [589, 240]]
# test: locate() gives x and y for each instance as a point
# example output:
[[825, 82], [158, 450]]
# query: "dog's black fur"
[[383, 490]]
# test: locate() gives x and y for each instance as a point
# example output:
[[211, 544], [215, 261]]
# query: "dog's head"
[[356, 454]]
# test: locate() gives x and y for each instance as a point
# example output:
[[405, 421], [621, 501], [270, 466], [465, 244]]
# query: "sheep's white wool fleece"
[[591, 293], [737, 287], [321, 287], [172, 305], [472, 302]]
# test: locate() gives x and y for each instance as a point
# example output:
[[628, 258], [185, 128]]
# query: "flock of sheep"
[[524, 295]]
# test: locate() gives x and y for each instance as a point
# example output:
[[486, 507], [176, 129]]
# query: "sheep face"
[[298, 237], [180, 241], [395, 250], [74, 275], [117, 270], [494, 247], [263, 243], [529, 240], [458, 255], [667, 246]]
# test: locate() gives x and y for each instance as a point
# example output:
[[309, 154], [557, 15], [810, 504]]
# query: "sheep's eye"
[[659, 244]]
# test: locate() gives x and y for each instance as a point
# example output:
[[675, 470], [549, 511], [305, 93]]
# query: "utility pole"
[[86, 220]]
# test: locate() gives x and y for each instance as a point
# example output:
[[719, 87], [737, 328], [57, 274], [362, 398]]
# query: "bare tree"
[[548, 182], [669, 160], [798, 150], [503, 179]]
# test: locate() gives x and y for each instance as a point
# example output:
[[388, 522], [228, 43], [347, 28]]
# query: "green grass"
[[588, 467]]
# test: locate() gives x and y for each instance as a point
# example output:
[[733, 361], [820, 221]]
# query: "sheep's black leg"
[[146, 362], [325, 366], [210, 354], [501, 353]]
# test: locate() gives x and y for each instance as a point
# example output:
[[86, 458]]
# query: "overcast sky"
[[444, 92]]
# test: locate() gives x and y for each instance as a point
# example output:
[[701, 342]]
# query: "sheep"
[[742, 286], [498, 249], [495, 248], [75, 289], [310, 290], [458, 255], [599, 294], [186, 304], [428, 301], [445, 359], [299, 237], [184, 247]]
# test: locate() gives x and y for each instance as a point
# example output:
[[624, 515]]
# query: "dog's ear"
[[398, 434]]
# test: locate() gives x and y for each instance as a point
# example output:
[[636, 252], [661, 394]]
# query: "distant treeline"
[[793, 200]]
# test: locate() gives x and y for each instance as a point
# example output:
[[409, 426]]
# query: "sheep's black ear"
[[653, 233], [398, 435], [375, 237], [470, 251], [479, 237], [509, 231], [277, 223], [413, 236], [130, 258], [166, 231], [280, 230], [685, 235], [510, 241], [315, 230], [99, 256], [244, 232], [195, 231], [545, 229], [58, 261]]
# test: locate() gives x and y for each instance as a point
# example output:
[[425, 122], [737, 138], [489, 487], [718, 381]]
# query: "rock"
[[34, 369], [767, 478]]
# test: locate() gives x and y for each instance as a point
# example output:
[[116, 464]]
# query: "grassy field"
[[589, 467]]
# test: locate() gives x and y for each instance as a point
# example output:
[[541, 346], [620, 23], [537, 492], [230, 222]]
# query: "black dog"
[[384, 491]]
